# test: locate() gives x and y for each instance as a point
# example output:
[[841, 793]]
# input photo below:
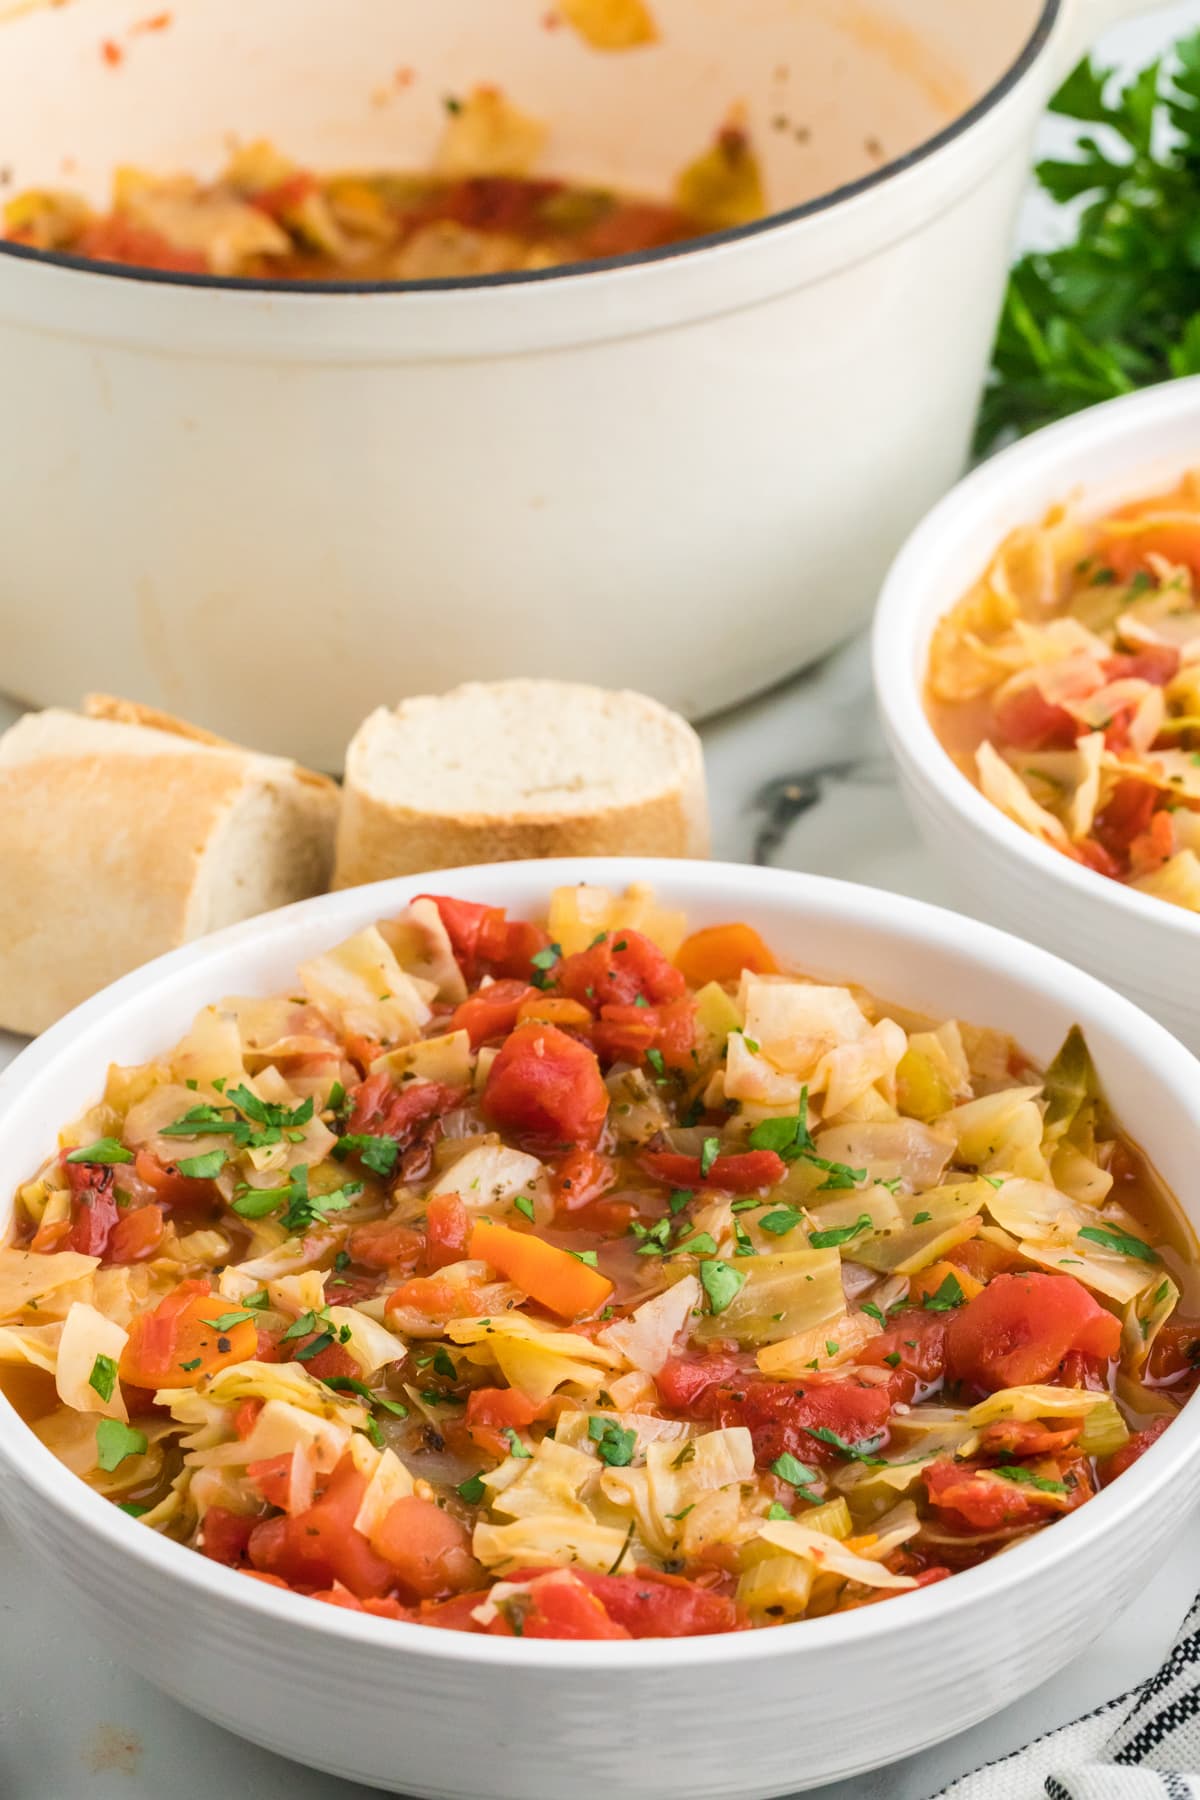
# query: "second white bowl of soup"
[[1035, 646]]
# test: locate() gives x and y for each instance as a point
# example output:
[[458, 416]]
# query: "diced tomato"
[[632, 225], [1026, 720], [485, 942], [1079, 1371], [559, 1606], [492, 1011], [1158, 663], [245, 1416], [649, 1604], [1094, 856], [447, 1228], [985, 1502], [1175, 1355], [579, 1178], [579, 1184], [782, 1416], [743, 1172], [171, 1189], [285, 195], [225, 1535], [267, 1348], [50, 1236], [626, 1033], [136, 1234], [319, 1546], [337, 1595], [1128, 1454], [1022, 1326], [546, 1090], [918, 1339], [456, 1614], [1028, 1437], [615, 972], [982, 1259], [285, 1481], [385, 1244], [491, 1412], [436, 1299], [685, 1382], [721, 952], [428, 1550], [1154, 847], [333, 1362], [93, 1207], [116, 239], [381, 1109], [1125, 815]]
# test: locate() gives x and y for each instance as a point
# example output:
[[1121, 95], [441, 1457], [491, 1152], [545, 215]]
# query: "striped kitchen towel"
[[1143, 1746]]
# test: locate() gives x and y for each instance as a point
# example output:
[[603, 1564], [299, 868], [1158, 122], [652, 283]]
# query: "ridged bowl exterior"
[[1144, 947], [442, 1714]]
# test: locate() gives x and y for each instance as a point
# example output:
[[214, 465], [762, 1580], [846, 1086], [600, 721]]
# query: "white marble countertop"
[[799, 779]]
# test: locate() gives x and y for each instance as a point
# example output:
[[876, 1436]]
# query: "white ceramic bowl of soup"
[[1116, 452], [750, 1714], [273, 510]]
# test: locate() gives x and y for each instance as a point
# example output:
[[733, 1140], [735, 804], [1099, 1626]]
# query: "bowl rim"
[[902, 631], [1009, 79], [26, 1462]]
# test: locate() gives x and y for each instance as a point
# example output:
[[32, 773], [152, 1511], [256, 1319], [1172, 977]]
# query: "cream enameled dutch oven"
[[274, 508]]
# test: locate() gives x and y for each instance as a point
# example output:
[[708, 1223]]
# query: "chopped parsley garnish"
[[841, 1234], [443, 1364], [516, 1447], [379, 1154], [655, 1059], [701, 1244], [775, 1512], [103, 1377], [306, 1352], [202, 1168], [922, 1218], [543, 961], [524, 1205], [863, 1451], [781, 1221], [133, 1507], [1123, 1242], [742, 1239], [788, 1138], [115, 1441], [194, 1364], [796, 1474], [720, 1283], [947, 1296], [257, 1302], [709, 1152], [614, 1444], [585, 1256], [226, 1321], [678, 1199], [471, 1490], [1026, 1478], [791, 1139], [104, 1150]]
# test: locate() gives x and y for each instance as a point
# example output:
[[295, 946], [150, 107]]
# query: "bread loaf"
[[124, 833], [492, 772]]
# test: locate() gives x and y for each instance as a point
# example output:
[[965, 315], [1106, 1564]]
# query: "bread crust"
[[103, 851], [380, 837]]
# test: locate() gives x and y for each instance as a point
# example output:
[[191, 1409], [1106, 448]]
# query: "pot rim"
[[958, 128]]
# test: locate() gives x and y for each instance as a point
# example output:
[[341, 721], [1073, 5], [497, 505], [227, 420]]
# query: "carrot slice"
[[721, 952], [177, 1344], [556, 1278]]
